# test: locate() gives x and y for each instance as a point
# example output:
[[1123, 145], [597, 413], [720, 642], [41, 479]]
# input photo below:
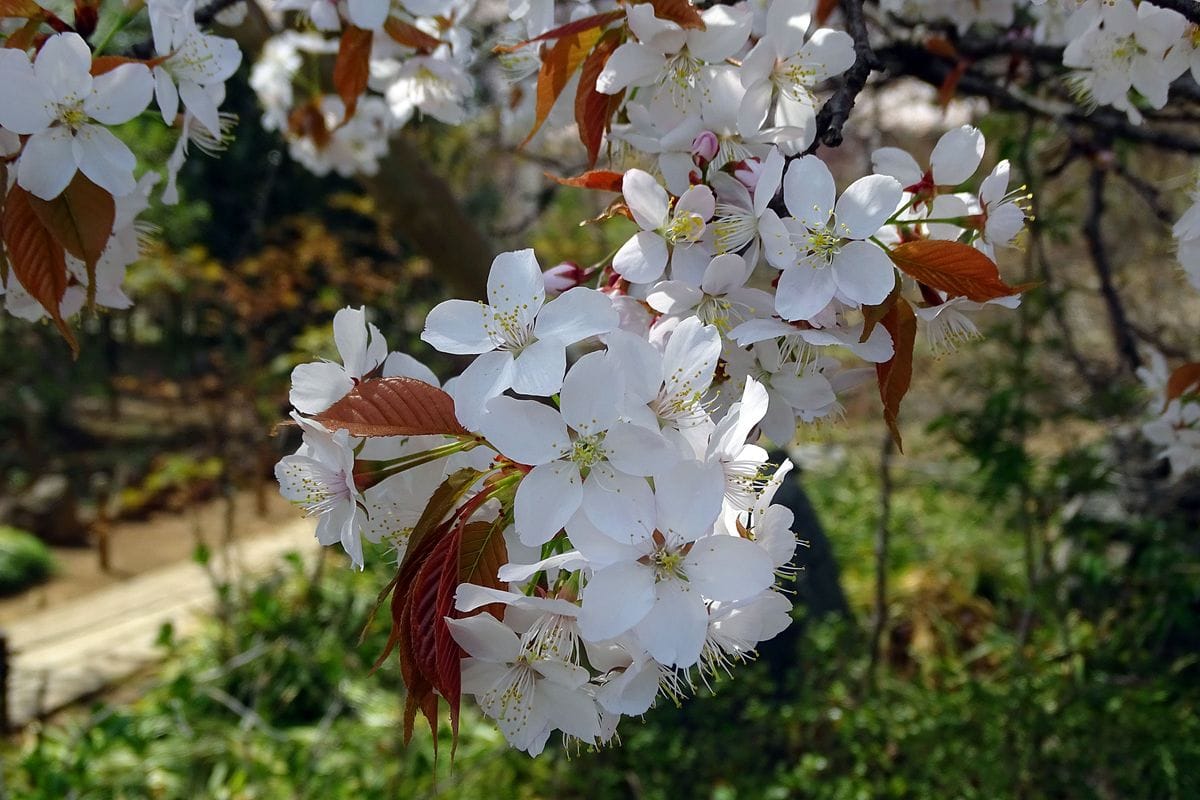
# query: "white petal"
[[688, 498], [368, 14], [525, 431], [592, 394], [486, 638], [121, 94], [897, 163], [642, 259], [63, 66], [631, 64], [674, 630], [203, 103], [729, 568], [516, 286], [105, 159], [636, 450], [648, 202], [538, 369], [956, 156], [317, 386], [866, 204], [458, 326], [808, 191], [48, 163], [166, 94], [24, 104], [403, 365], [726, 30], [615, 599], [352, 338], [864, 273], [619, 505], [488, 375], [803, 292], [546, 498], [697, 200], [576, 314], [674, 297]]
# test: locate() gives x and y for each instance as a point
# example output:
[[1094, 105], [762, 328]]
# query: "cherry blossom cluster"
[[419, 54], [1174, 418], [614, 427], [58, 108]]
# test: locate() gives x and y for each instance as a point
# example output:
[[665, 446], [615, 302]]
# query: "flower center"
[[587, 450], [668, 564], [71, 114], [824, 243], [686, 226]]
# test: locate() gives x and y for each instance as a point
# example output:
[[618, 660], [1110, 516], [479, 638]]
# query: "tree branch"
[[831, 119], [1093, 231]]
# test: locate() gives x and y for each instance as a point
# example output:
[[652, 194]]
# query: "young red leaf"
[[952, 267], [81, 220], [895, 376], [601, 179], [873, 315], [569, 29], [38, 261], [824, 11], [410, 35], [1183, 380], [25, 9], [593, 109], [481, 554], [559, 62], [681, 12], [393, 407], [352, 68]]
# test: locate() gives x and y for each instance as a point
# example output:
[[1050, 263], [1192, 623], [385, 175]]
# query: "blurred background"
[[1009, 609]]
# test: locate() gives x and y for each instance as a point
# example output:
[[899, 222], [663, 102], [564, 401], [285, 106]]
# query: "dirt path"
[[139, 546], [91, 636]]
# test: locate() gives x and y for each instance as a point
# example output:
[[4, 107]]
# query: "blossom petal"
[[637, 450], [647, 201], [105, 159], [487, 376], [956, 156], [525, 431], [63, 66], [616, 598], [486, 638], [539, 368], [688, 498], [619, 505], [674, 630], [592, 394], [47, 163], [516, 286], [121, 94], [728, 568], [866, 204], [864, 273], [642, 259], [317, 386], [546, 498], [809, 191], [803, 292], [458, 327], [576, 314]]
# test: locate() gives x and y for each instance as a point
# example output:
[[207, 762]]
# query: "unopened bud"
[[566, 275], [747, 172], [705, 147]]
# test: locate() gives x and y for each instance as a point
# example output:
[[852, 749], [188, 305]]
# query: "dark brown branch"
[[1093, 231], [1189, 8], [831, 119]]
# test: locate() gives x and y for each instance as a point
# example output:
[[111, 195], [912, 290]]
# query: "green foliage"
[[24, 560]]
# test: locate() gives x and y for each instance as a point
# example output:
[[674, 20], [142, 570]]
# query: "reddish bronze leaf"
[[307, 120], [952, 267], [602, 179], [103, 64], [824, 10], [1183, 380], [593, 109], [559, 62], [410, 35], [681, 12], [38, 261], [352, 68], [81, 220], [873, 315], [481, 554], [26, 9], [570, 29], [393, 407], [895, 376]]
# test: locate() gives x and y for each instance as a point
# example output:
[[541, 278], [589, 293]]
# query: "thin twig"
[[1093, 231], [831, 119]]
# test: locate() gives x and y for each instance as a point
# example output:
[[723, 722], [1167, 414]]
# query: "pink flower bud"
[[747, 172], [566, 275], [704, 147]]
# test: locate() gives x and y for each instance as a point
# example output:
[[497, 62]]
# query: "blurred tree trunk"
[[424, 210]]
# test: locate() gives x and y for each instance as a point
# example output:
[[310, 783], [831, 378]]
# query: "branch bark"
[[1093, 231], [831, 119]]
